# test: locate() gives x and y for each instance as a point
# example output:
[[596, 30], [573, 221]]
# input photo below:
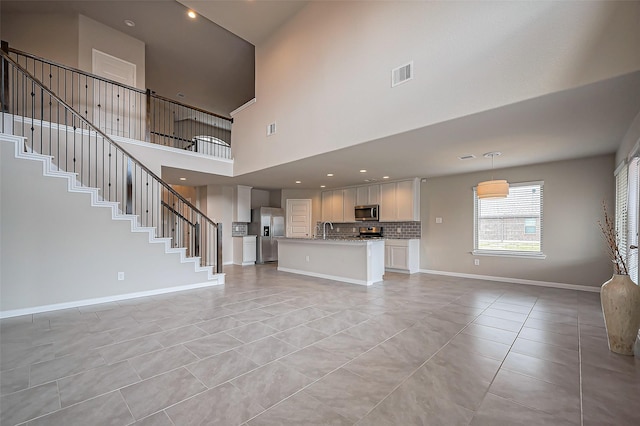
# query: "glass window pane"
[[512, 223]]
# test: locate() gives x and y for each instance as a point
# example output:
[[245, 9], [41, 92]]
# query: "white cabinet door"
[[362, 195], [369, 194], [399, 201], [388, 205], [374, 194], [398, 257], [337, 206], [243, 204], [406, 200], [327, 205], [249, 250], [402, 255], [244, 250], [349, 200]]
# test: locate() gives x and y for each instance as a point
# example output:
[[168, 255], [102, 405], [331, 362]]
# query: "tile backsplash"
[[397, 230], [239, 229]]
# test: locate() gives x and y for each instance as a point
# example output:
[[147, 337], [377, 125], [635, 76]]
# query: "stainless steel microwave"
[[371, 212]]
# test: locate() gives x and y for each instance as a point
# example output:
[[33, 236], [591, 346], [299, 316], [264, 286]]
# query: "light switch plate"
[[438, 220]]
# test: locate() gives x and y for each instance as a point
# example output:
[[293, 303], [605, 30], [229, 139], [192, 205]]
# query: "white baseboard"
[[328, 277], [78, 303], [514, 280]]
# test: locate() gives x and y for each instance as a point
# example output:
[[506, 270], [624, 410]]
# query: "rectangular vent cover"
[[271, 129], [466, 157], [402, 74]]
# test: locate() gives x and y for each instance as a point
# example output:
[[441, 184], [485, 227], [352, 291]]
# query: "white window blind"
[[511, 225], [622, 196], [633, 180]]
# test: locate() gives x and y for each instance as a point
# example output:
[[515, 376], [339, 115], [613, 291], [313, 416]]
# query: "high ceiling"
[[586, 121], [212, 67], [580, 122]]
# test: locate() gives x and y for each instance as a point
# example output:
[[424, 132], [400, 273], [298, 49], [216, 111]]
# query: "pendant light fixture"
[[492, 188]]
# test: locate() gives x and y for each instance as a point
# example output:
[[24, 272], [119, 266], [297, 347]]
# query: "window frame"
[[509, 253]]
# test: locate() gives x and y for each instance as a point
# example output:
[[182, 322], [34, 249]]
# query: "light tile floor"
[[272, 348]]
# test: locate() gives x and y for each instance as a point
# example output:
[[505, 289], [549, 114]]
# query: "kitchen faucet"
[[324, 234]]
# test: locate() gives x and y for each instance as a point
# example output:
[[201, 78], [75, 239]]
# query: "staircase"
[[63, 239]]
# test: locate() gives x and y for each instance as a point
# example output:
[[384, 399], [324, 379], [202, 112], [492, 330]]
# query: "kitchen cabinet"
[[332, 206], [402, 255], [337, 206], [349, 202], [244, 250], [400, 201], [368, 194], [243, 204]]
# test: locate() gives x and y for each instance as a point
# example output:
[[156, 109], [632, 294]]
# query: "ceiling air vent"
[[466, 157], [402, 74], [271, 129]]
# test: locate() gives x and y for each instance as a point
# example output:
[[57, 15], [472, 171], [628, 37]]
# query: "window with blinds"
[[511, 225], [633, 185], [622, 196]]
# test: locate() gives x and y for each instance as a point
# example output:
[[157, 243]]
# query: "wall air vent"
[[466, 157], [402, 74], [271, 129]]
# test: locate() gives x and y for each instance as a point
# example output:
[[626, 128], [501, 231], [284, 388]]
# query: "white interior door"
[[299, 219], [115, 107]]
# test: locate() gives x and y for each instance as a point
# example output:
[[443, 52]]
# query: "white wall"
[[155, 156], [52, 36], [324, 77], [220, 210], [573, 194], [630, 141], [57, 248], [260, 198], [94, 35]]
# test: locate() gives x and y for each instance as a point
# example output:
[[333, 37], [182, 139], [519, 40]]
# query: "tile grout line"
[[421, 365]]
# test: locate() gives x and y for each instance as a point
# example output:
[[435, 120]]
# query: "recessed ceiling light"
[[298, 181], [183, 178], [363, 171], [330, 174], [129, 23], [323, 186], [191, 14], [385, 177]]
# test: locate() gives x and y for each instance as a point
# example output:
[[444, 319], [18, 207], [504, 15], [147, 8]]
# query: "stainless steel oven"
[[370, 212]]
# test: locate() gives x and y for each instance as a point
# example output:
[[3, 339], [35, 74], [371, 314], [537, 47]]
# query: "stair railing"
[[121, 110], [53, 127]]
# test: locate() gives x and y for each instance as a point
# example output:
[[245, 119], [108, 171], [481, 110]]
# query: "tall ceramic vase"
[[620, 299]]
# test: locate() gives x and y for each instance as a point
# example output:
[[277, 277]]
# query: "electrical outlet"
[[399, 230], [120, 276], [353, 229], [307, 258], [476, 262], [337, 229], [438, 220]]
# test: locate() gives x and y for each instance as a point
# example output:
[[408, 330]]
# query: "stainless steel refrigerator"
[[267, 223]]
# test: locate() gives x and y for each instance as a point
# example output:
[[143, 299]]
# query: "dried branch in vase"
[[611, 238]]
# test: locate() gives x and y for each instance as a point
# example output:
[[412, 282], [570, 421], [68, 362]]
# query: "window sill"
[[520, 255]]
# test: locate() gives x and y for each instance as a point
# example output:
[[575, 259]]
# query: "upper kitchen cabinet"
[[400, 201], [243, 204], [333, 206], [349, 200], [366, 195]]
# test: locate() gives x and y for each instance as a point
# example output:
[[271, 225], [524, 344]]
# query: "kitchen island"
[[354, 261]]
